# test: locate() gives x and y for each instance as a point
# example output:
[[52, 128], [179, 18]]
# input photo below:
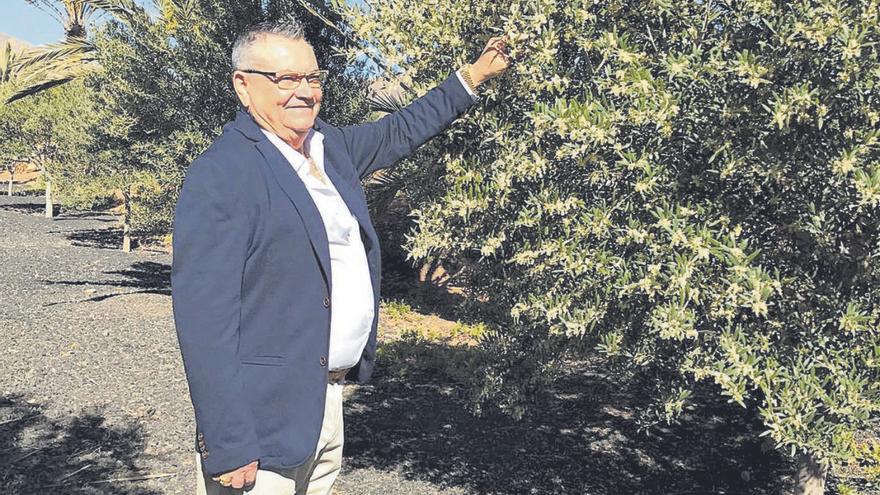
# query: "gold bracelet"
[[468, 78]]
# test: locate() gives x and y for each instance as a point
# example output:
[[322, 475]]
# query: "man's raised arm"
[[380, 144]]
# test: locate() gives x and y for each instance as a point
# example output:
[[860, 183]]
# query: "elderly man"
[[275, 279]]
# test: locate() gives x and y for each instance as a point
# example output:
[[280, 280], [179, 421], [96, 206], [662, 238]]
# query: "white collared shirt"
[[351, 300]]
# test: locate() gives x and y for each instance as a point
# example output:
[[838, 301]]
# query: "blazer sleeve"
[[379, 144], [210, 240]]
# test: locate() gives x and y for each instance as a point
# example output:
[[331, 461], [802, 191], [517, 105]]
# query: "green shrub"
[[396, 309], [691, 189]]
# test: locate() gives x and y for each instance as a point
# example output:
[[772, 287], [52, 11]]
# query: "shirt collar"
[[314, 143]]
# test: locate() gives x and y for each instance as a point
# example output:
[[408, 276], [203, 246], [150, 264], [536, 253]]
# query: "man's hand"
[[241, 477], [493, 61]]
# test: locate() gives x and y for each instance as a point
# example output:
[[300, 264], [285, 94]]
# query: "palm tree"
[[74, 15], [74, 56]]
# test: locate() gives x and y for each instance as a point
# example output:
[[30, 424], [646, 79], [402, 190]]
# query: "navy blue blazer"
[[251, 279]]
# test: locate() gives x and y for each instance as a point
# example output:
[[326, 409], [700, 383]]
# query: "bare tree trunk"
[[11, 180], [432, 272], [810, 476], [126, 220], [50, 207]]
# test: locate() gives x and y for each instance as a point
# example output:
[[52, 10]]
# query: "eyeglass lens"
[[291, 81]]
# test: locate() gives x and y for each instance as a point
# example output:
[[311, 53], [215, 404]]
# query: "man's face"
[[283, 111]]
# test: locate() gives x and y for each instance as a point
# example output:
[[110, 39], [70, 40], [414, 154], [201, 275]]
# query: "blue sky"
[[26, 22]]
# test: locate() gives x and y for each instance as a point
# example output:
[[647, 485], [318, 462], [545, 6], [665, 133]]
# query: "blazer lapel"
[[294, 188], [355, 205]]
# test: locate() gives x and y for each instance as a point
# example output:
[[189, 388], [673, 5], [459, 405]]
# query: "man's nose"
[[304, 90]]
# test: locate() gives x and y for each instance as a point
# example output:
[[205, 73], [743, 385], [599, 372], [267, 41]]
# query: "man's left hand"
[[242, 477], [493, 61]]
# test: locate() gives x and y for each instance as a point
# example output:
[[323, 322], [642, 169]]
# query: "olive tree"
[[690, 189], [47, 130]]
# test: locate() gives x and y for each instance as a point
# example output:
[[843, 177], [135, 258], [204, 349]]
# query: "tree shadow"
[[97, 216], [144, 277], [21, 189], [582, 438], [26, 208], [26, 205], [106, 238], [74, 454]]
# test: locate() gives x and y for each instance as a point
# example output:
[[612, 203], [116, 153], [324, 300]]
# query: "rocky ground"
[[93, 391], [93, 397]]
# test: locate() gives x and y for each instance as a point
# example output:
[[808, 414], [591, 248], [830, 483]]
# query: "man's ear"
[[240, 86]]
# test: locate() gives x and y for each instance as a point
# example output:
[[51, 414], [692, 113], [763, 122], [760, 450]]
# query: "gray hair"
[[288, 27]]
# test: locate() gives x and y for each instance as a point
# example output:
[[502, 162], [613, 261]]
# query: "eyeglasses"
[[292, 80]]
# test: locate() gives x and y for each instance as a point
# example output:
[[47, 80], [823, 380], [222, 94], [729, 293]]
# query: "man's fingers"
[[497, 44], [234, 479], [250, 473], [238, 479], [245, 475], [500, 53], [250, 476], [492, 43]]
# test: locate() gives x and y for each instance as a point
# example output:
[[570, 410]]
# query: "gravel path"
[[93, 386], [93, 398]]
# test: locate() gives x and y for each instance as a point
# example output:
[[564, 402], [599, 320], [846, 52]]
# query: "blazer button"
[[326, 302], [323, 361]]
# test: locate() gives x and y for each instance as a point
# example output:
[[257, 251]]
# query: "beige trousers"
[[315, 477]]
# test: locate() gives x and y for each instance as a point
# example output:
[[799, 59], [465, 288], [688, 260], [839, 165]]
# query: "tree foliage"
[[164, 91], [690, 189], [48, 130]]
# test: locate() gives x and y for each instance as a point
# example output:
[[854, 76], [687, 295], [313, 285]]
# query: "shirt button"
[[326, 302], [323, 361]]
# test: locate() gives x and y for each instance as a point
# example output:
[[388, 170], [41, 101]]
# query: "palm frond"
[[386, 101], [126, 11], [382, 187], [33, 89], [9, 64], [48, 7], [77, 15], [177, 12], [61, 53], [50, 65]]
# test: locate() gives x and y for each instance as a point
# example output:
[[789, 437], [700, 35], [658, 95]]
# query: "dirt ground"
[[93, 397]]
